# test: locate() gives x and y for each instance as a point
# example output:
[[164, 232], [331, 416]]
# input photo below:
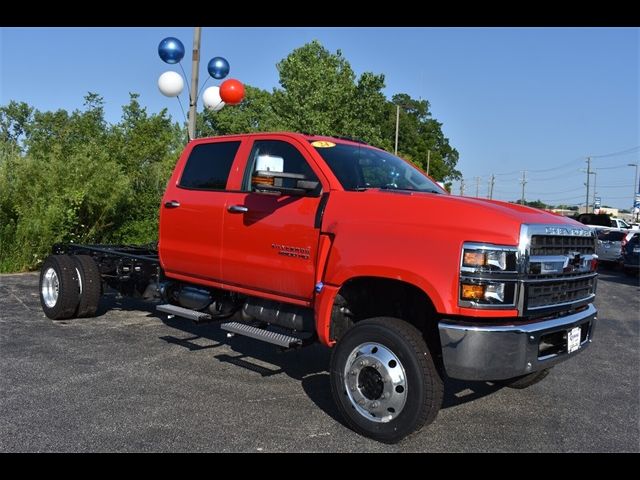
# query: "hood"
[[474, 219]]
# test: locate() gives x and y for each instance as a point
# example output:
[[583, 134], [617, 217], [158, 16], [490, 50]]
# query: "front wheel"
[[383, 379]]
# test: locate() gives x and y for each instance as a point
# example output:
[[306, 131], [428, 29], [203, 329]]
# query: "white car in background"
[[619, 223]]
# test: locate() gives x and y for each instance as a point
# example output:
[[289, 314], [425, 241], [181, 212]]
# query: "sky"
[[539, 100]]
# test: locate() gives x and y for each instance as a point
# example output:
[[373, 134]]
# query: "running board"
[[261, 334], [197, 317]]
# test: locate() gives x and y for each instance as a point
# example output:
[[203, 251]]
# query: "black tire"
[[525, 380], [91, 286], [424, 386], [62, 305]]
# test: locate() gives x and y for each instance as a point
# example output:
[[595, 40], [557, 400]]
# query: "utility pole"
[[595, 178], [397, 126], [492, 180], [462, 187], [428, 160], [477, 187], [523, 182], [586, 205], [193, 95], [636, 188]]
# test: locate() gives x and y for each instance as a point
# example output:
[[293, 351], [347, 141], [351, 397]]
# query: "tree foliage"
[[73, 177], [320, 94], [77, 179]]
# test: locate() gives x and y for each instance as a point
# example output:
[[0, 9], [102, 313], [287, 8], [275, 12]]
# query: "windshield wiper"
[[388, 187]]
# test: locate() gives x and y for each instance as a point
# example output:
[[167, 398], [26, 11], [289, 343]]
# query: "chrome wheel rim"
[[376, 382], [79, 277], [50, 288]]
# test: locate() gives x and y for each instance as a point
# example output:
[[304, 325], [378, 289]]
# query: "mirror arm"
[[269, 174]]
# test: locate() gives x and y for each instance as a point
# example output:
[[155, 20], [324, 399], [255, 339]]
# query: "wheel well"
[[366, 297]]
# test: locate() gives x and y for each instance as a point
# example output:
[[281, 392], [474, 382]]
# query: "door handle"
[[172, 204], [237, 209]]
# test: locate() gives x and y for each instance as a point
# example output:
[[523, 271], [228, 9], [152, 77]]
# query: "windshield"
[[360, 167]]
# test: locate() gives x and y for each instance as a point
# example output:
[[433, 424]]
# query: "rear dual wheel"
[[70, 286]]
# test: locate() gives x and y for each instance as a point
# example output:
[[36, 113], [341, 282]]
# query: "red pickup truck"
[[293, 239]]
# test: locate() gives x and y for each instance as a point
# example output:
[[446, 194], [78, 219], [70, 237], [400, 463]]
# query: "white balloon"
[[170, 84], [212, 100]]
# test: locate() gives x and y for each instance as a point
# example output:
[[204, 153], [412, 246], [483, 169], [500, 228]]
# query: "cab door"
[[192, 211], [270, 240]]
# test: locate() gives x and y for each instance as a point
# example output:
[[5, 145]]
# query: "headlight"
[[488, 258], [488, 276]]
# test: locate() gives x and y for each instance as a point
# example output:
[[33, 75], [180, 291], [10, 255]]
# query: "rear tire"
[[394, 389], [59, 287], [91, 286]]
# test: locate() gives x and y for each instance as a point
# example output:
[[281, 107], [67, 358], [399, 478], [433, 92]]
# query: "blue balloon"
[[218, 67], [171, 50]]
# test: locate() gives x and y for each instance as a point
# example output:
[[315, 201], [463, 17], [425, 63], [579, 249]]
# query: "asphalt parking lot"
[[131, 380]]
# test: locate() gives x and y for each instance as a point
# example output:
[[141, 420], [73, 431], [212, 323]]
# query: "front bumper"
[[497, 352]]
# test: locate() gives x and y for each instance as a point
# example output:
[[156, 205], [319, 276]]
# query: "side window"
[[208, 166], [277, 156]]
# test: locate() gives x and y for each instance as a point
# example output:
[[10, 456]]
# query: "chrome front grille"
[[559, 292], [561, 245], [557, 268]]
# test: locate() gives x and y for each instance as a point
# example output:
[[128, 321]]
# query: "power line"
[[611, 168], [615, 154], [616, 186], [543, 169]]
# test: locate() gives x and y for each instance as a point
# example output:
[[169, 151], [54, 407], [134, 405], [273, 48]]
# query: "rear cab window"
[[208, 166]]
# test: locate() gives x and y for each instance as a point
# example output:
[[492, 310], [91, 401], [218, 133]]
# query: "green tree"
[[146, 147], [79, 179], [254, 114], [73, 177], [420, 136], [15, 119], [320, 95]]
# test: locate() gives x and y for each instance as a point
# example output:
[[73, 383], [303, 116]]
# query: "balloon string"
[[185, 77], [183, 114], [205, 82]]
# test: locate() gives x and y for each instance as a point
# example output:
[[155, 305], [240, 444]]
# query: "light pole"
[[230, 92], [636, 189], [195, 68], [595, 193]]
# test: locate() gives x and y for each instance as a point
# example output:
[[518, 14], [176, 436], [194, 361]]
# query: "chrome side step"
[[279, 339], [197, 317]]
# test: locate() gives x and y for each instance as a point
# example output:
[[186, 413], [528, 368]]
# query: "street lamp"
[[230, 92], [636, 189]]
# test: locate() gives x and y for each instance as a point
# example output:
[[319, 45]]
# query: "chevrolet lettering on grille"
[[568, 231]]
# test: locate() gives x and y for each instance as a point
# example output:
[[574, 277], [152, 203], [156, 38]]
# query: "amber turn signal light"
[[472, 292], [256, 180], [474, 258]]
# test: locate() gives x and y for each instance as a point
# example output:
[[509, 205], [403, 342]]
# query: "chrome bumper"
[[498, 352]]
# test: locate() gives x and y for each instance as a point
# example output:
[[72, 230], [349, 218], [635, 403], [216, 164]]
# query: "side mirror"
[[283, 183]]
